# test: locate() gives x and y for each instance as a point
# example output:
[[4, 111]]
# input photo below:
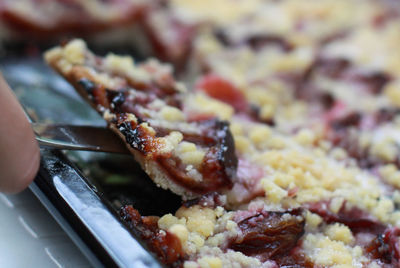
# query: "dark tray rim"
[[86, 216]]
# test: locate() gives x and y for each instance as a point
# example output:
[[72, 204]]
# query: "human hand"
[[19, 151]]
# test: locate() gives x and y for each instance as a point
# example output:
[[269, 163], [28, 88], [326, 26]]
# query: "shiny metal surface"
[[82, 190], [83, 138], [76, 205]]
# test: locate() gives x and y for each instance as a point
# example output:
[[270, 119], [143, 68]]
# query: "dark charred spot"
[[132, 136], [378, 249], [254, 112], [327, 100], [119, 99], [226, 150], [269, 122], [351, 120], [386, 114], [259, 41], [164, 3], [375, 81], [191, 203], [87, 85], [333, 68], [116, 99], [311, 94], [269, 235], [386, 247], [211, 200], [222, 37], [140, 120], [256, 42]]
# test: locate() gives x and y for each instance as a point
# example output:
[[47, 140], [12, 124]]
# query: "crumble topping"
[[309, 89], [146, 112]]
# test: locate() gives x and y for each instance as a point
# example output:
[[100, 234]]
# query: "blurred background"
[[289, 63]]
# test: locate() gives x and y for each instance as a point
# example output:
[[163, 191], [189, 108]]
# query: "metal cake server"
[[83, 138]]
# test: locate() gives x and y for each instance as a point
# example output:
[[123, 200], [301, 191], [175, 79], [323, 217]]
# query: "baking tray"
[[84, 190]]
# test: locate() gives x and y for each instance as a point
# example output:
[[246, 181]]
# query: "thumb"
[[19, 151]]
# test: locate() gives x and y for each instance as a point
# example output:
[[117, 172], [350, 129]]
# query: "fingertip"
[[19, 150], [20, 178], [28, 174]]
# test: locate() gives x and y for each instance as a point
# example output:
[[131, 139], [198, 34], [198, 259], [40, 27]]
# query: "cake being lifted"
[[181, 148]]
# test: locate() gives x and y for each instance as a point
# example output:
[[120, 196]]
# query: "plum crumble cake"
[[180, 148], [45, 19], [255, 195], [285, 144]]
